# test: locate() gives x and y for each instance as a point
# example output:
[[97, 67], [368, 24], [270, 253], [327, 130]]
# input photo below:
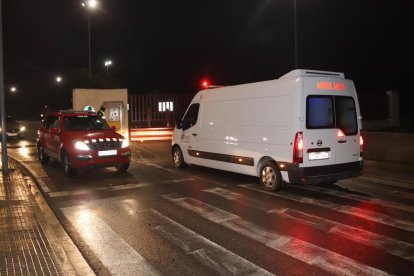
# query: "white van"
[[301, 128]]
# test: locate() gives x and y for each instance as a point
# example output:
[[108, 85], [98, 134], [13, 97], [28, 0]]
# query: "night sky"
[[170, 46]]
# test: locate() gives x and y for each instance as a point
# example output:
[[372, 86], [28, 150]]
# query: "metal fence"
[[157, 110]]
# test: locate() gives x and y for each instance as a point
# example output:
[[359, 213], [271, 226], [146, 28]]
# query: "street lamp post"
[[4, 159], [89, 5], [295, 26]]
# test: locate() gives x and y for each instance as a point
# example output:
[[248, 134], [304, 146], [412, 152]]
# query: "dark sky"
[[171, 45]]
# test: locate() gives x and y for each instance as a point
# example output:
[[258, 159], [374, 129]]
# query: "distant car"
[[14, 128], [81, 140]]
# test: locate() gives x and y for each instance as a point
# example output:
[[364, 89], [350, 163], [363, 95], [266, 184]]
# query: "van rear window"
[[331, 112]]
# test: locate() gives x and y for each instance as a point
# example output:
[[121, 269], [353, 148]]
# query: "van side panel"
[[249, 121]]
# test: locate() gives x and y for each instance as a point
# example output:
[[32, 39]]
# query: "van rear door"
[[331, 135]]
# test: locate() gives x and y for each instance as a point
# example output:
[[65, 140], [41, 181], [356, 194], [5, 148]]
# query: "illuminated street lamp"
[[13, 89], [58, 79], [90, 5], [107, 64]]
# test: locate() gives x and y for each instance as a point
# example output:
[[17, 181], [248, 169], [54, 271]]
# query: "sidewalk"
[[32, 241]]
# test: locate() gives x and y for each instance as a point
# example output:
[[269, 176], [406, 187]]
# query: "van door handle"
[[342, 141], [194, 134]]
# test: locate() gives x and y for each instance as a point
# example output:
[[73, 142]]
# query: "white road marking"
[[178, 180], [224, 193], [385, 203], [99, 189], [354, 211], [378, 189], [392, 246], [113, 252], [206, 211], [208, 253], [311, 254], [151, 164]]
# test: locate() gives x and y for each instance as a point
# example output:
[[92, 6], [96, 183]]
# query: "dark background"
[[170, 46]]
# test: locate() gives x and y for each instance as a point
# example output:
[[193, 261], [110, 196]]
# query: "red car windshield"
[[81, 123]]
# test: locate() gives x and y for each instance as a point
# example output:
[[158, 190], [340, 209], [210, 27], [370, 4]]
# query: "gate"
[[157, 110]]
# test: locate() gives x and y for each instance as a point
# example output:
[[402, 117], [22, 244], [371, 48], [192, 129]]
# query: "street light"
[[90, 5], [107, 64], [13, 89], [58, 79]]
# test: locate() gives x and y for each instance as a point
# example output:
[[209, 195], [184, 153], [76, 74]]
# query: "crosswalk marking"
[[378, 189], [350, 210], [392, 246], [99, 189], [384, 203], [210, 254], [224, 193], [106, 244], [178, 180], [208, 212], [311, 254]]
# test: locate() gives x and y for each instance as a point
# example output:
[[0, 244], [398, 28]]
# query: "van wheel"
[[42, 156], [270, 177], [178, 158], [69, 171]]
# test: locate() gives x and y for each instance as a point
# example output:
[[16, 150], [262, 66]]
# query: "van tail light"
[[340, 134], [298, 148], [361, 145]]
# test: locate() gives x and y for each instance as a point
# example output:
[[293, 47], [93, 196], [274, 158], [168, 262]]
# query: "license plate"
[[319, 155], [107, 152], [12, 134]]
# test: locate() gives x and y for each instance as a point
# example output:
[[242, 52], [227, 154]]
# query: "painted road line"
[[206, 252], [151, 164], [349, 210], [223, 193], [364, 199], [99, 189], [378, 189], [178, 180], [200, 208], [306, 252], [113, 252], [392, 246]]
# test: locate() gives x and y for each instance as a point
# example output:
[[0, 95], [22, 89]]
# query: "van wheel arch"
[[262, 161]]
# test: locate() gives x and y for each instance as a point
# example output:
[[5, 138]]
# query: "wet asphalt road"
[[156, 219]]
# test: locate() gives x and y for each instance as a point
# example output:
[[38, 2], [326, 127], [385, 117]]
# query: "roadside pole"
[[4, 161]]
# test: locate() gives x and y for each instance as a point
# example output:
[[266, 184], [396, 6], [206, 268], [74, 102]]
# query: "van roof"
[[312, 73]]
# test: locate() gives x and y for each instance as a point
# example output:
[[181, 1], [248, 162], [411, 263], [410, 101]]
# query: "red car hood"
[[95, 135]]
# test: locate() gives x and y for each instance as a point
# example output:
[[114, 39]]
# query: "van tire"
[[270, 177], [178, 157]]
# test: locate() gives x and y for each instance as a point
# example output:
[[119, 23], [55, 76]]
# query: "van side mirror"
[[178, 124]]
